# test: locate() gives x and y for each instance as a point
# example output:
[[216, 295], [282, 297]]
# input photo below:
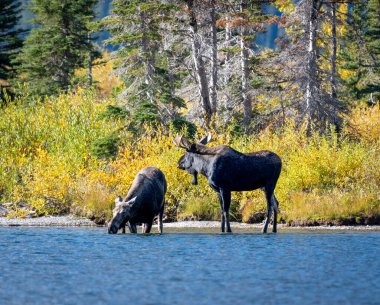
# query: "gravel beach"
[[74, 221], [258, 226], [48, 221]]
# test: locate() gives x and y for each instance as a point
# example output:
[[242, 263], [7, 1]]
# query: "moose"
[[144, 201], [228, 170]]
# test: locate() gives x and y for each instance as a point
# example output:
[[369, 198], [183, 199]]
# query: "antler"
[[206, 139], [182, 142]]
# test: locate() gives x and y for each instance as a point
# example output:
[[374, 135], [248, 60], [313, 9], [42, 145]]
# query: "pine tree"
[[222, 35], [138, 30], [372, 37], [360, 55], [242, 20], [10, 41], [373, 31], [57, 45], [306, 64]]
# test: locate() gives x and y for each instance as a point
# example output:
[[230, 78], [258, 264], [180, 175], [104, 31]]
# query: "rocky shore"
[[48, 221], [258, 226], [74, 221]]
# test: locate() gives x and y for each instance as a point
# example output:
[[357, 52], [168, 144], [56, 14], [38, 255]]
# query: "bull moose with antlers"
[[228, 170]]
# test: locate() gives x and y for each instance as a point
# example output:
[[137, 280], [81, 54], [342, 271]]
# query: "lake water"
[[88, 266]]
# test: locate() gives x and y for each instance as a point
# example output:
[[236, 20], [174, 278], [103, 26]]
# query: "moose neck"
[[125, 215], [200, 164]]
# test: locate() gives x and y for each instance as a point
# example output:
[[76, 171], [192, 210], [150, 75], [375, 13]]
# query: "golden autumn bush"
[[46, 162], [45, 146], [104, 80]]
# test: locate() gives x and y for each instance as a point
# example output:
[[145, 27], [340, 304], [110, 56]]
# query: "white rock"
[[3, 211]]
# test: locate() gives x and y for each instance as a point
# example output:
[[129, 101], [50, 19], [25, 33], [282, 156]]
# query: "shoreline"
[[76, 221], [48, 221]]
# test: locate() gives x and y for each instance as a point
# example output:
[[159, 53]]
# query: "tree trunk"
[[148, 56], [334, 49], [227, 73], [89, 66], [172, 112], [198, 62], [246, 99], [311, 69], [89, 70], [214, 59]]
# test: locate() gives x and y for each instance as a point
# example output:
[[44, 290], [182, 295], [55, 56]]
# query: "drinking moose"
[[144, 201]]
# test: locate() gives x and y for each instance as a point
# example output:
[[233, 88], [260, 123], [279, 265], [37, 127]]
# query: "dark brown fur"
[[228, 170], [144, 201]]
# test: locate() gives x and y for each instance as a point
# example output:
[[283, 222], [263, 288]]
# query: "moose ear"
[[131, 201], [182, 142], [193, 148], [206, 139], [118, 200]]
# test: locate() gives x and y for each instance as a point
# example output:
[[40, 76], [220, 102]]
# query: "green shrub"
[[106, 147], [182, 125]]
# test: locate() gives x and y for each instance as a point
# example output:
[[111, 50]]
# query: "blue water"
[[88, 266]]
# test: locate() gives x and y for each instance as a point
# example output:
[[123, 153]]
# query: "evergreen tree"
[[240, 74], [306, 64], [373, 31], [138, 30], [251, 19], [361, 52], [372, 37], [221, 39], [10, 41], [57, 45]]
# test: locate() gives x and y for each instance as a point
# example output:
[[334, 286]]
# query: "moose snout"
[[112, 229]]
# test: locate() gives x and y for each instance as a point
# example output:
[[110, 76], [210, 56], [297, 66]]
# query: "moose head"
[[121, 214], [187, 161]]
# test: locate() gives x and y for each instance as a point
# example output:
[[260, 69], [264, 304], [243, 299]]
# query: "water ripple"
[[88, 266]]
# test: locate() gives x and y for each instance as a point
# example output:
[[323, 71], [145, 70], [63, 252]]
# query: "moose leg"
[[132, 228], [148, 227], [275, 212], [160, 225], [222, 220], [226, 196], [268, 196]]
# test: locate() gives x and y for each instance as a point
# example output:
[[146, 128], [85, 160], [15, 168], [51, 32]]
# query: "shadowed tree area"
[[59, 43], [10, 41]]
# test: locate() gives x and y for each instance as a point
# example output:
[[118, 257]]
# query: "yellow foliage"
[[45, 146], [18, 213], [365, 123], [345, 74], [334, 206], [285, 6], [103, 77], [45, 161]]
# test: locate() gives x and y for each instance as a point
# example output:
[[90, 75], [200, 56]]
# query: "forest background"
[[81, 115]]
